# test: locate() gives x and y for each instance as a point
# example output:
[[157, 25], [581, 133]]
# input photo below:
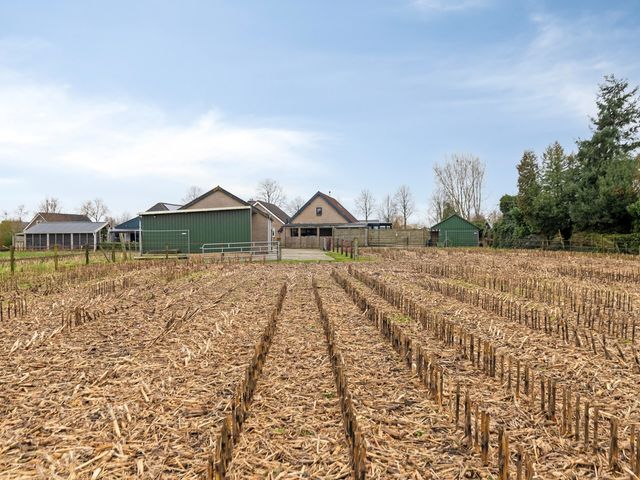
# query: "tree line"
[[594, 189]]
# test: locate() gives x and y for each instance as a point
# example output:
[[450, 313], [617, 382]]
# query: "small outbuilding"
[[455, 231], [66, 235]]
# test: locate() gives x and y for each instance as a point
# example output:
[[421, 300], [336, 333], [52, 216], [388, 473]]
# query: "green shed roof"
[[454, 221]]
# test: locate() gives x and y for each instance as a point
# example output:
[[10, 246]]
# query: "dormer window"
[[318, 211]]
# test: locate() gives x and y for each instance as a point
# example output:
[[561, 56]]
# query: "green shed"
[[185, 231], [455, 231]]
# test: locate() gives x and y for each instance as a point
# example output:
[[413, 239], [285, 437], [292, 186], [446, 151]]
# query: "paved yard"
[[304, 254]]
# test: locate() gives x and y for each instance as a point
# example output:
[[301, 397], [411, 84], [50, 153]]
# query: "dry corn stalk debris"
[[141, 383]]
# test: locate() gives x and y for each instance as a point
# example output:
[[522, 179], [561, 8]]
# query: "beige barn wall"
[[217, 200], [259, 228]]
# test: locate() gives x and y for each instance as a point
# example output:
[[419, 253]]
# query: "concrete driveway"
[[305, 254]]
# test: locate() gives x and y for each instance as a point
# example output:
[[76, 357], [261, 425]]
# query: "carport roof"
[[66, 227]]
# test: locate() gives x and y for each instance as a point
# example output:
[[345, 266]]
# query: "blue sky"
[[133, 102]]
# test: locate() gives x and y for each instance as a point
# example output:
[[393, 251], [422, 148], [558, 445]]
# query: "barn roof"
[[66, 227]]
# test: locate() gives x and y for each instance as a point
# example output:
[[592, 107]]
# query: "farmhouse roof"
[[275, 210], [63, 217], [163, 207], [57, 217], [337, 206], [66, 227]]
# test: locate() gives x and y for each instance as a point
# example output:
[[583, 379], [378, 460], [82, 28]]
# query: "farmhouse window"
[[318, 211], [294, 232], [326, 232], [308, 232]]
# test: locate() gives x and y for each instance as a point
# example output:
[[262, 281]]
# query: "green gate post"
[[55, 257], [113, 253], [86, 254], [12, 256], [166, 252]]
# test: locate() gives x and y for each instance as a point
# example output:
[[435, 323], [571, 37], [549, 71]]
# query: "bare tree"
[[271, 191], [192, 193], [387, 210], [49, 205], [96, 209], [365, 204], [440, 207], [117, 220], [461, 180], [405, 202], [436, 206], [295, 204], [20, 212]]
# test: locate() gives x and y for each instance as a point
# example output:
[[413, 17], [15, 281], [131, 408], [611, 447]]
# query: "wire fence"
[[595, 245]]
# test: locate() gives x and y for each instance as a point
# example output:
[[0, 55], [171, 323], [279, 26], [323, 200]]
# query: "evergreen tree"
[[511, 226], [607, 167], [556, 193], [528, 188]]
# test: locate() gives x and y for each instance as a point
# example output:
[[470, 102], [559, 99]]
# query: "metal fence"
[[249, 248]]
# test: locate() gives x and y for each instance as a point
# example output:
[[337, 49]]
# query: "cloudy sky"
[[133, 102]]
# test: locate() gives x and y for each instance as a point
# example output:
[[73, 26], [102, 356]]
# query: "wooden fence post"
[[55, 257], [12, 259], [86, 254]]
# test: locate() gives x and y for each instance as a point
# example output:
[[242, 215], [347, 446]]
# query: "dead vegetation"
[[424, 364]]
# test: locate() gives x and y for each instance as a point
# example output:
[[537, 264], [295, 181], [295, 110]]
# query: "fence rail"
[[252, 248]]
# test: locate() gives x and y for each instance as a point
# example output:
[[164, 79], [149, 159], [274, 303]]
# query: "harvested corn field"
[[416, 364]]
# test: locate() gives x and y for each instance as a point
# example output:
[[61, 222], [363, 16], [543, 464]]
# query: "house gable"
[[216, 198], [332, 212]]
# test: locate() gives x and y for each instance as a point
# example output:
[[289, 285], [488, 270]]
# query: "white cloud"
[[43, 124], [449, 5]]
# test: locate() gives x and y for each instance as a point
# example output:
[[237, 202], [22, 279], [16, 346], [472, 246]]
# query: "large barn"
[[215, 220]]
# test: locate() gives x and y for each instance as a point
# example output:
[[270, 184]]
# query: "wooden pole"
[[12, 258]]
